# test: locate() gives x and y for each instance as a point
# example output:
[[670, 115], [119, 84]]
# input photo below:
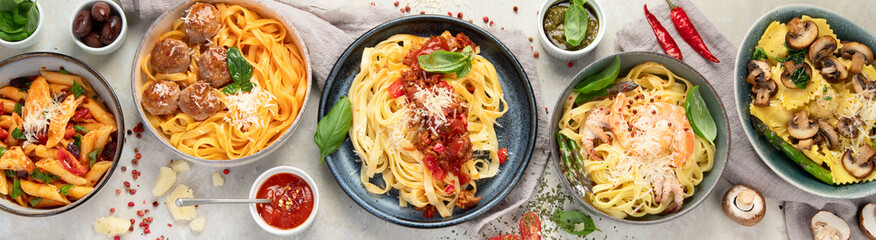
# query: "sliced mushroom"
[[827, 135], [800, 34], [848, 127], [822, 47], [860, 54], [867, 220], [744, 205], [827, 226], [805, 144], [861, 83], [859, 164], [763, 91], [802, 127], [790, 68], [833, 70], [758, 71]]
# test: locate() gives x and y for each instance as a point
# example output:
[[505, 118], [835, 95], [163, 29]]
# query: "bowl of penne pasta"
[[60, 133]]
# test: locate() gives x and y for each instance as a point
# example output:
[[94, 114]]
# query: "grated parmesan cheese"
[[37, 120], [243, 107], [434, 100]]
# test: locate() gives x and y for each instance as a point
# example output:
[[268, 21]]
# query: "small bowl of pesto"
[[570, 29]]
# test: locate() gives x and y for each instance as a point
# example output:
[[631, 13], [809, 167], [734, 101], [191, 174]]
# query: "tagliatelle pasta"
[[247, 122]]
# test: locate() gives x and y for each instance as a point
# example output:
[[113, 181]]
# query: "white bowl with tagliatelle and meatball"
[[222, 83]]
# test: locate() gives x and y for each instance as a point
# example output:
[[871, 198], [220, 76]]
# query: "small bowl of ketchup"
[[294, 200]]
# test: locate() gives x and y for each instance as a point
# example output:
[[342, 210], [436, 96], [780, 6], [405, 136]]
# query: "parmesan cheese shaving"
[[434, 100], [244, 107], [37, 121]]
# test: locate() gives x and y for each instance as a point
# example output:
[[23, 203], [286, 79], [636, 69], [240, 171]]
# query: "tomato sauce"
[[291, 201]]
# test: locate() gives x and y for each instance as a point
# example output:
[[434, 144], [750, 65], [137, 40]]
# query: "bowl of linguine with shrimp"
[[640, 139]]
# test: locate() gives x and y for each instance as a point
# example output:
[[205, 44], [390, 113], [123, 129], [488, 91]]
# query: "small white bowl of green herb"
[[20, 23], [570, 29]]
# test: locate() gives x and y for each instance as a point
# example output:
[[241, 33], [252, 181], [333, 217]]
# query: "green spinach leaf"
[[601, 80], [332, 129], [699, 116], [800, 78]]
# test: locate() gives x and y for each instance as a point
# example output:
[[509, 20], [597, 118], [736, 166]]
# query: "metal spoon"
[[182, 202]]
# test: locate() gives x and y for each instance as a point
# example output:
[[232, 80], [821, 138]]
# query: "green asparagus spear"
[[566, 156], [795, 155]]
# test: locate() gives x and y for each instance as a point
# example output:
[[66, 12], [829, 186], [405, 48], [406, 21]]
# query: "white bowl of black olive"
[[98, 27], [570, 29]]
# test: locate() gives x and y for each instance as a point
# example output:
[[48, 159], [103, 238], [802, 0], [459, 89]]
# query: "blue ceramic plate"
[[713, 102], [775, 159], [518, 135]]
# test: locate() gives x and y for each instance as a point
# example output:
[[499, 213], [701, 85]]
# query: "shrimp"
[[658, 126], [596, 121], [665, 184]]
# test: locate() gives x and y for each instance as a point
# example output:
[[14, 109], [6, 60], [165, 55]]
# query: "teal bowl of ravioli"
[[716, 109], [845, 30]]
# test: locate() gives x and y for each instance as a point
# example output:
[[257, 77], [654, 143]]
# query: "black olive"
[[73, 149], [82, 24], [111, 30], [92, 40], [21, 83], [100, 11], [109, 151]]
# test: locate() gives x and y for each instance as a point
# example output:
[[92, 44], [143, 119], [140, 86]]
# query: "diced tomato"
[[432, 165], [506, 237], [69, 162], [439, 148], [470, 89], [81, 115], [530, 226], [456, 147], [396, 89], [448, 189], [458, 126], [42, 137], [503, 155], [444, 84], [3, 134], [69, 132], [463, 179]]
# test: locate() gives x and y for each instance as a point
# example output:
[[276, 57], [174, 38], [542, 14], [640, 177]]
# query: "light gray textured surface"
[[339, 217]]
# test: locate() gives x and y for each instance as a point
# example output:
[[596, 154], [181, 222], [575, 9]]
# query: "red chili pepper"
[[666, 42], [689, 33]]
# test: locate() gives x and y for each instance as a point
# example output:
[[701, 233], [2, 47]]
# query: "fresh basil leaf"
[[332, 129], [64, 71], [13, 37], [575, 24], [16, 189], [7, 5], [17, 134], [7, 23], [33, 19], [246, 86], [92, 157], [77, 89], [2, 151], [231, 88], [77, 140], [601, 80], [20, 13], [34, 201], [800, 78], [442, 61], [17, 108], [464, 70], [574, 222], [44, 177], [66, 189], [238, 67], [699, 116], [9, 173], [80, 128]]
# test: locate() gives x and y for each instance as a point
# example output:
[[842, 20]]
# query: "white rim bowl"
[[563, 54], [30, 40], [112, 47], [261, 180]]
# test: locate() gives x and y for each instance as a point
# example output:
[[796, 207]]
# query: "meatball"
[[202, 22], [213, 68], [161, 97], [170, 56], [199, 101]]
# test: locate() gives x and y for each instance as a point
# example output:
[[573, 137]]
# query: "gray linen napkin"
[[743, 166], [328, 32]]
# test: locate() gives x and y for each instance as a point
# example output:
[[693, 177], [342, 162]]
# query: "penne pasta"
[[12, 93], [74, 192], [65, 79], [97, 171], [54, 166], [4, 188], [8, 105], [40, 151], [98, 112], [46, 191], [49, 203]]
